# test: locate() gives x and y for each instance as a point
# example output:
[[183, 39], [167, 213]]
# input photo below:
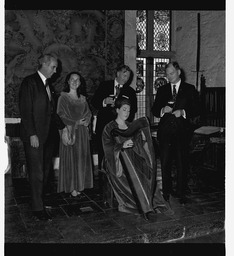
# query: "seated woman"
[[130, 161]]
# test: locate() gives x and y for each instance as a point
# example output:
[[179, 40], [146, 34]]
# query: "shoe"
[[41, 215], [48, 206], [166, 197], [145, 216], [183, 200], [75, 193], [168, 210], [175, 194]]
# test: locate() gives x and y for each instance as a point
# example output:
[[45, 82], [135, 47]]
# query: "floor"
[[88, 219]]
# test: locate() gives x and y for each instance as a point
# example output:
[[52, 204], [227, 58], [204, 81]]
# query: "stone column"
[[130, 42]]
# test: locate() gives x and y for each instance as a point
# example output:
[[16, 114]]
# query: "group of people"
[[125, 147], [45, 119]]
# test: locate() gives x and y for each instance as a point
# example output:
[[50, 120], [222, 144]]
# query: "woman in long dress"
[[130, 161], [75, 164]]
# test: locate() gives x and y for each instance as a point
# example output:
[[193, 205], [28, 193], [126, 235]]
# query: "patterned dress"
[[75, 164]]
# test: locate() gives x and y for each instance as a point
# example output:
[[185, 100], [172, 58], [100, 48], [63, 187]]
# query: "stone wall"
[[212, 45]]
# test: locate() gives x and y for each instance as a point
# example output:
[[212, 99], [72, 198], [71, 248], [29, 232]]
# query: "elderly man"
[[38, 129]]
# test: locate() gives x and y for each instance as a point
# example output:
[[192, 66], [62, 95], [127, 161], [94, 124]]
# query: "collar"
[[43, 78], [177, 85], [116, 83]]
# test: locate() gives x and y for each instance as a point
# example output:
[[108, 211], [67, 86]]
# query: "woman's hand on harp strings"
[[128, 144]]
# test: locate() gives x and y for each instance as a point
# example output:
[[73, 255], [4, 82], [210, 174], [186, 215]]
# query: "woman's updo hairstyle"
[[122, 101]]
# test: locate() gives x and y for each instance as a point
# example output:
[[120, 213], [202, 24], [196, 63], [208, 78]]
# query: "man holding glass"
[[104, 102], [176, 103]]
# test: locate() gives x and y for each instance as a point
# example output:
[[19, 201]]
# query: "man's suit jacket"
[[187, 99], [35, 108], [106, 114]]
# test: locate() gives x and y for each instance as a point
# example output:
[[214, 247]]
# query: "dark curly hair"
[[122, 101], [81, 89]]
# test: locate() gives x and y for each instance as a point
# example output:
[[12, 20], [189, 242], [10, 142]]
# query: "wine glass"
[[171, 103], [113, 97]]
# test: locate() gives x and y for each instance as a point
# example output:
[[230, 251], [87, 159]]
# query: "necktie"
[[48, 89], [117, 87], [174, 94]]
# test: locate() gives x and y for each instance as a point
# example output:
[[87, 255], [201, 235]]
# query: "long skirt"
[[75, 163], [135, 187]]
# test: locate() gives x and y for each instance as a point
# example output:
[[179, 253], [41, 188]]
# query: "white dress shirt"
[[177, 86], [177, 89], [114, 93], [43, 78]]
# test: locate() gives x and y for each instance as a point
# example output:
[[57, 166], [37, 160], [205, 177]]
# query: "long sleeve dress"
[[75, 164], [131, 171]]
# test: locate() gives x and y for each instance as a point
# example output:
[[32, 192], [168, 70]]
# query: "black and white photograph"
[[114, 127]]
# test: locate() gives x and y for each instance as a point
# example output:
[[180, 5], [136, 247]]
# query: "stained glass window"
[[141, 29], [159, 73], [153, 53], [141, 74], [162, 30]]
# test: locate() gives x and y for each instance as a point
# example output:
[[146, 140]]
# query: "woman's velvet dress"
[[75, 163], [131, 171]]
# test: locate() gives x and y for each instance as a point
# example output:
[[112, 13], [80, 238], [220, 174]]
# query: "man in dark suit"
[[39, 130], [176, 106], [104, 99]]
